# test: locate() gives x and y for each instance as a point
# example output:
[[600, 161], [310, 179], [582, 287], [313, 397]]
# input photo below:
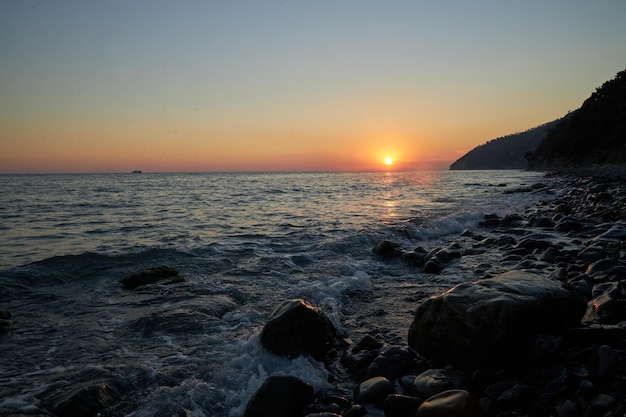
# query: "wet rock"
[[392, 363], [280, 396], [607, 363], [334, 403], [437, 258], [559, 274], [495, 390], [511, 220], [543, 222], [415, 257], [549, 255], [601, 404], [606, 269], [401, 405], [435, 381], [373, 390], [356, 410], [586, 390], [515, 397], [388, 249], [592, 253], [486, 321], [568, 225], [405, 385], [581, 284], [616, 234], [535, 241], [608, 305], [295, 327], [445, 254], [358, 363], [432, 267], [453, 403], [368, 342], [490, 221], [563, 209], [151, 276], [6, 321], [88, 401], [566, 409]]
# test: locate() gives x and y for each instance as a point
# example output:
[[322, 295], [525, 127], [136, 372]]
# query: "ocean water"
[[243, 242]]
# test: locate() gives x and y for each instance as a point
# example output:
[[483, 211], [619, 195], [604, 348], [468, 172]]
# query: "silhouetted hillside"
[[506, 152], [594, 134]]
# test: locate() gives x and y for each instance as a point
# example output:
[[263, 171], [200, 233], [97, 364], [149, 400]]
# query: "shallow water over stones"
[[560, 366]]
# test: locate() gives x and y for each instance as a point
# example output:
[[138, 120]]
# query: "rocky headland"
[[544, 338]]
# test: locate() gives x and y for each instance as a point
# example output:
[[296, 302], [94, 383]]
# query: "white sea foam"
[[259, 363]]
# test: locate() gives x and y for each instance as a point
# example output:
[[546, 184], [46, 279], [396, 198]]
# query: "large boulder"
[[488, 321], [295, 327]]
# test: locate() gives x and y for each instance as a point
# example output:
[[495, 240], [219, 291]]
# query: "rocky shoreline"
[[546, 338]]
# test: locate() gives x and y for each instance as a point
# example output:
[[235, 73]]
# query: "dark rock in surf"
[[415, 257], [280, 396], [151, 276], [490, 221], [6, 321], [295, 327], [486, 321], [89, 401], [388, 249], [432, 267]]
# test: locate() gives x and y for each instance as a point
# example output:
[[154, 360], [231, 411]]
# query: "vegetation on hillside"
[[594, 134], [506, 152]]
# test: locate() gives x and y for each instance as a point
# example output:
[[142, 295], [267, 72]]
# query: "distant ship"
[[137, 171]]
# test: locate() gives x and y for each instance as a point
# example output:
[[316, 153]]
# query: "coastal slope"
[[594, 134], [506, 152]]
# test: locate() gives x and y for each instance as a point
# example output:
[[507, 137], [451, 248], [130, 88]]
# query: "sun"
[[388, 161]]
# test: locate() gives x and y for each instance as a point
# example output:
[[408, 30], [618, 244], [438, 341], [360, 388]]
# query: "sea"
[[242, 242]]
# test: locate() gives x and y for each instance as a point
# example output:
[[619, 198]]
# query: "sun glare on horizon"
[[388, 161]]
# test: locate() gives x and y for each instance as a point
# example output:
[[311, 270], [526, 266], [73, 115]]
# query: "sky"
[[306, 85]]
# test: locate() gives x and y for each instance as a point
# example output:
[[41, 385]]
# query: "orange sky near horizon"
[[311, 86]]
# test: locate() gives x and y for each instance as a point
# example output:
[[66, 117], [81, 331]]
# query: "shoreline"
[[577, 239]]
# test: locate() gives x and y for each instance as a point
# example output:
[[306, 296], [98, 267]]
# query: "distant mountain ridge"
[[593, 134], [506, 152]]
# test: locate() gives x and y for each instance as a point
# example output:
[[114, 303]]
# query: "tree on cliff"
[[594, 134]]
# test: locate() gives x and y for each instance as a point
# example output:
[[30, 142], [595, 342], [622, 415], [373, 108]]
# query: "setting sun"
[[388, 160]]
